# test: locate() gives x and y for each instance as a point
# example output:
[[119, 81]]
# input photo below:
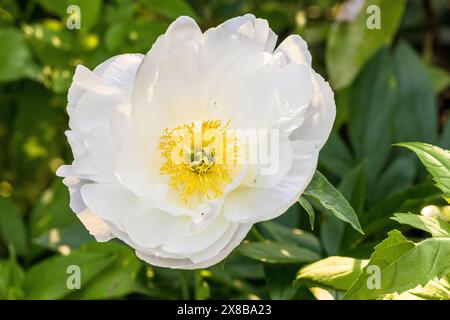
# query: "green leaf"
[[11, 278], [386, 253], [437, 162], [202, 291], [323, 191], [331, 233], [324, 293], [170, 8], [350, 45], [284, 234], [372, 100], [395, 178], [309, 210], [437, 227], [444, 142], [353, 187], [72, 236], [275, 252], [14, 55], [133, 35], [52, 210], [335, 272], [280, 281], [440, 78], [438, 289], [118, 279], [335, 156], [36, 130], [424, 261], [48, 279], [12, 228], [89, 10], [416, 118]]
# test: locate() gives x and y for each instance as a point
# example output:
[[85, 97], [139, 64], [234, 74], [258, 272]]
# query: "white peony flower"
[[133, 115]]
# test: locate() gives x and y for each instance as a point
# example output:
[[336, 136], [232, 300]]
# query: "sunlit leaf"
[[329, 197], [424, 261], [437, 227], [437, 162], [335, 272]]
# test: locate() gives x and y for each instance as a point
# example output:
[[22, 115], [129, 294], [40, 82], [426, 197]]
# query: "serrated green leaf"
[[438, 289], [437, 227], [330, 198], [437, 162], [403, 265]]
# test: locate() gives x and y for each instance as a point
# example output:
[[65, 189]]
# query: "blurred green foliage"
[[391, 85]]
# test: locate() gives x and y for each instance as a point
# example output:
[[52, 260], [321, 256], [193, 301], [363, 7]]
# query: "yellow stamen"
[[200, 157]]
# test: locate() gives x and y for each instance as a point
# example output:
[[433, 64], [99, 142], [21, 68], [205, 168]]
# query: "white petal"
[[276, 166], [180, 32], [96, 226], [211, 251], [296, 50], [83, 80], [152, 227], [251, 205], [92, 222], [200, 241], [239, 235], [294, 86], [319, 117], [120, 71], [110, 202], [74, 184], [253, 30]]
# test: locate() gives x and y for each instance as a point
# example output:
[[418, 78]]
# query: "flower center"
[[200, 158]]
